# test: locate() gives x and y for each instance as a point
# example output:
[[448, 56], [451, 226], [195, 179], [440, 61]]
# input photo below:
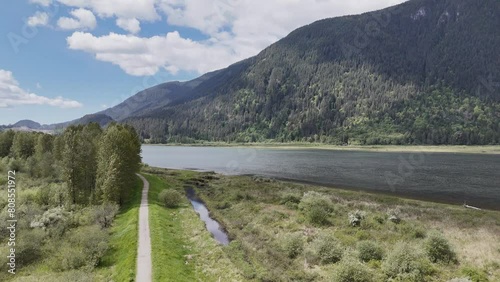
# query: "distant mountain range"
[[422, 72]]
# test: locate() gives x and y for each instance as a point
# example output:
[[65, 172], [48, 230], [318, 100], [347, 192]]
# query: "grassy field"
[[274, 236], [182, 249], [492, 149], [119, 264]]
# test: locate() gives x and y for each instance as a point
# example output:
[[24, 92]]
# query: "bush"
[[316, 207], [54, 194], [350, 270], [324, 249], [293, 244], [355, 218], [84, 247], [28, 249], [290, 198], [475, 275], [54, 220], [407, 263], [394, 216], [105, 213], [438, 249], [16, 165], [93, 241], [68, 257], [170, 198], [368, 250]]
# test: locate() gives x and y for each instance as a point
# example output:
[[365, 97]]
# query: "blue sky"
[[62, 59]]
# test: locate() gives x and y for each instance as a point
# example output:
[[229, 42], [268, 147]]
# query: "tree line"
[[98, 166]]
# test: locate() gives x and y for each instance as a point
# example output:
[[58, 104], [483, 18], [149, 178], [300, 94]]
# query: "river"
[[442, 177]]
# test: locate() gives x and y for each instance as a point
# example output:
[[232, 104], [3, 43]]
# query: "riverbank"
[[490, 149], [277, 233], [182, 249]]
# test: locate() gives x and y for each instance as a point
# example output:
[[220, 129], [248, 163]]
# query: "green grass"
[[167, 241], [182, 248], [120, 262]]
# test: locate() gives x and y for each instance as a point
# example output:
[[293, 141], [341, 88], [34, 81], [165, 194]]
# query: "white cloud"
[[38, 85], [82, 19], [127, 9], [146, 56], [13, 95], [38, 19], [44, 3], [237, 29], [248, 26], [130, 25]]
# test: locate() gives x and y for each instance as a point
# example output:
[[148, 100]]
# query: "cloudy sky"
[[61, 59]]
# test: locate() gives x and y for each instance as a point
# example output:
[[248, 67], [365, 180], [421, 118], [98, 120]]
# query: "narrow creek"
[[212, 226]]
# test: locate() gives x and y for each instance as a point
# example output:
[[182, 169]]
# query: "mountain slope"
[[155, 97], [27, 123], [423, 72]]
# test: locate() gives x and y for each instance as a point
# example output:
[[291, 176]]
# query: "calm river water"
[[443, 177]]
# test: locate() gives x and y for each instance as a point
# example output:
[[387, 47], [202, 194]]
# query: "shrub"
[[438, 249], [379, 219], [290, 198], [84, 247], [324, 249], [54, 220], [475, 275], [93, 241], [68, 257], [16, 165], [105, 213], [316, 207], [170, 198], [28, 249], [407, 263], [293, 244], [394, 216], [350, 270], [355, 218], [368, 250]]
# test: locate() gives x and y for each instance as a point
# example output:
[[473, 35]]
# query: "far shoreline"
[[463, 149]]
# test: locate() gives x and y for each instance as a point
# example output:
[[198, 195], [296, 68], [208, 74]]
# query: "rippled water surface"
[[447, 177]]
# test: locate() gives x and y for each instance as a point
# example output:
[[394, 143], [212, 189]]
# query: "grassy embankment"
[[491, 149], [119, 263], [182, 249], [276, 238]]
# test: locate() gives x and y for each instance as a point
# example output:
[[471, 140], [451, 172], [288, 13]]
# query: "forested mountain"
[[101, 119], [155, 97], [423, 72]]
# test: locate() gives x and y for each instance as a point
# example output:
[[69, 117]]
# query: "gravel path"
[[144, 266]]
